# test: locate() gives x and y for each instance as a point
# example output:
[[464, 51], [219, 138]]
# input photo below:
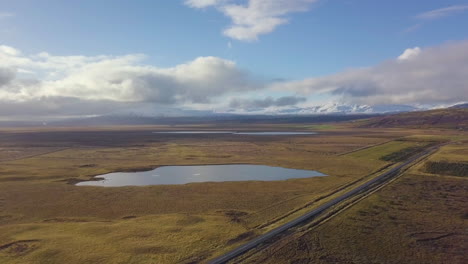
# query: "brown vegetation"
[[419, 218], [48, 219], [451, 118]]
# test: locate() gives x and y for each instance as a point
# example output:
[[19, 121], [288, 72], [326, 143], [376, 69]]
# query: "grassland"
[[44, 218], [419, 218], [452, 118], [450, 161]]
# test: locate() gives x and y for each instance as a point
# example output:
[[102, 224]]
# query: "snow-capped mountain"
[[335, 108], [151, 111], [330, 108], [351, 109], [170, 115], [460, 105]]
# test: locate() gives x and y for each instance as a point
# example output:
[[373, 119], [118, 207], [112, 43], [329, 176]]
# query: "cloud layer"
[[435, 14], [47, 85], [418, 76], [254, 18], [54, 82], [443, 12], [121, 78], [266, 102]]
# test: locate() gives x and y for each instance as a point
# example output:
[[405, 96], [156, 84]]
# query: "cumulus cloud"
[[119, 78], [409, 53], [266, 102], [44, 84], [42, 79], [8, 51], [254, 18], [443, 12], [418, 76]]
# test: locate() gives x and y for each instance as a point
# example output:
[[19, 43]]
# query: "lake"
[[264, 133], [200, 173]]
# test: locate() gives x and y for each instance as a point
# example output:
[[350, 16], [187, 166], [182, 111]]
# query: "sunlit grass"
[[419, 218], [50, 220]]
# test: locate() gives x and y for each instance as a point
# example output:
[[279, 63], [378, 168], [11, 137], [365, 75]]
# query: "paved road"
[[314, 213]]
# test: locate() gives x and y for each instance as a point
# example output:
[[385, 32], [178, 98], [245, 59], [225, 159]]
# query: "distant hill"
[[453, 118], [220, 119], [460, 106]]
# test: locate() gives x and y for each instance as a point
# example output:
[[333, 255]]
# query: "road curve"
[[314, 213]]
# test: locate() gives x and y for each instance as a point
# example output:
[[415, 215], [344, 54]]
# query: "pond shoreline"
[[183, 174]]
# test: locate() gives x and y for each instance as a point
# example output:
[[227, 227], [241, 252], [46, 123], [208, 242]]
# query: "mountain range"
[[147, 115], [330, 108]]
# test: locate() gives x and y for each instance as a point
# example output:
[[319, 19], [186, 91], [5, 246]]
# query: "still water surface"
[[202, 173]]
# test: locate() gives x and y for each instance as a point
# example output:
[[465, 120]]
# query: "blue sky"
[[332, 36], [313, 38]]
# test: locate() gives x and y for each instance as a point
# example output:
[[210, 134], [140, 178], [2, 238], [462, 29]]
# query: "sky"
[[91, 57]]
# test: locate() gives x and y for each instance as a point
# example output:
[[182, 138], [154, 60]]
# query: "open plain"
[[45, 218], [420, 217]]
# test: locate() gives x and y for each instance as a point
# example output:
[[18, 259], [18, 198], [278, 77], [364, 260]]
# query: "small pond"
[[202, 173]]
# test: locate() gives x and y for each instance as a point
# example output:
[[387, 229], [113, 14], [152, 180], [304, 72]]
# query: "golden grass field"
[[419, 218], [44, 218]]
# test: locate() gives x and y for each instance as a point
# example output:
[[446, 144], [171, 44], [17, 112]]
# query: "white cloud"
[[42, 77], [256, 17], [435, 14], [432, 75], [9, 51], [443, 12], [202, 3], [409, 54], [45, 84]]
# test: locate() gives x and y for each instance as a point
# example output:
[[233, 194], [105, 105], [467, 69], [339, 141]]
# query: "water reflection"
[[202, 173]]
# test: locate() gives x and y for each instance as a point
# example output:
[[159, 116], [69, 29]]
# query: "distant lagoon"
[[200, 173]]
